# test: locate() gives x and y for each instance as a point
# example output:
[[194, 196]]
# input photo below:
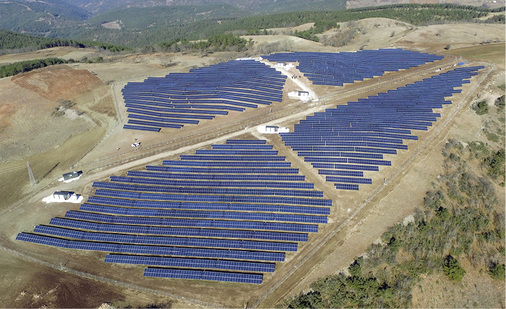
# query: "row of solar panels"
[[190, 263], [348, 67], [188, 222], [177, 213], [223, 170], [154, 249], [393, 115], [199, 95], [217, 183], [186, 227], [203, 275], [259, 177], [214, 198], [166, 240], [100, 200]]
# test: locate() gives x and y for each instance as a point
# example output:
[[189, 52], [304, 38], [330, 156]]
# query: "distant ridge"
[[253, 6], [353, 4]]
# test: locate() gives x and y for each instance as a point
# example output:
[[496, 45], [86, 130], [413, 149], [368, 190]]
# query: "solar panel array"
[[349, 140], [192, 219], [335, 69], [179, 99], [231, 212]]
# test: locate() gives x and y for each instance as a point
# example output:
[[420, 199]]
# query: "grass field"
[[493, 53]]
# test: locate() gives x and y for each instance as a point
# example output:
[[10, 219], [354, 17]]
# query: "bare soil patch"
[[30, 285], [436, 37], [57, 82]]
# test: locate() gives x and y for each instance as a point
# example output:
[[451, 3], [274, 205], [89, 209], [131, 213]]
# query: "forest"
[[415, 14], [26, 66], [17, 42], [459, 220], [164, 25]]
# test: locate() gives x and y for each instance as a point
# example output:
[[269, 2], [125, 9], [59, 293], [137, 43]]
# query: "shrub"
[[497, 271], [499, 102], [480, 107], [452, 269]]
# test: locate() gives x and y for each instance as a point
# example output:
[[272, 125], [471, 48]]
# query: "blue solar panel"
[[142, 128], [191, 263], [222, 170], [218, 198], [203, 275], [179, 227], [184, 95], [165, 240], [155, 124], [238, 207], [346, 67], [210, 176], [157, 250], [210, 206], [344, 141], [203, 214]]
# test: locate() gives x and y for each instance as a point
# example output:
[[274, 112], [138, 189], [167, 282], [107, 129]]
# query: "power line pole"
[[30, 174]]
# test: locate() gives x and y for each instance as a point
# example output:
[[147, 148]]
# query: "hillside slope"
[[253, 6]]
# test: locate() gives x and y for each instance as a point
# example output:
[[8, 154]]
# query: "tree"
[[499, 102], [497, 271], [480, 107], [452, 269]]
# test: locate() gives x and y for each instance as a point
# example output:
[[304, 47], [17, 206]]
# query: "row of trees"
[[220, 42], [29, 65], [10, 41], [26, 66], [458, 220]]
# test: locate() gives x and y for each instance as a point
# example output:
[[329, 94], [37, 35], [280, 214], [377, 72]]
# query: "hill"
[[148, 26], [351, 4], [200, 22], [39, 17], [11, 42], [251, 6]]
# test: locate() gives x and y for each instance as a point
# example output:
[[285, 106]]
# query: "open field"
[[95, 143]]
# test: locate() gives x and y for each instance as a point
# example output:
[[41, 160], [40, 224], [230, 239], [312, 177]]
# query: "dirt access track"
[[57, 277]]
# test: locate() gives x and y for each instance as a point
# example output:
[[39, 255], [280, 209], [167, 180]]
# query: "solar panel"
[[345, 141], [203, 275]]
